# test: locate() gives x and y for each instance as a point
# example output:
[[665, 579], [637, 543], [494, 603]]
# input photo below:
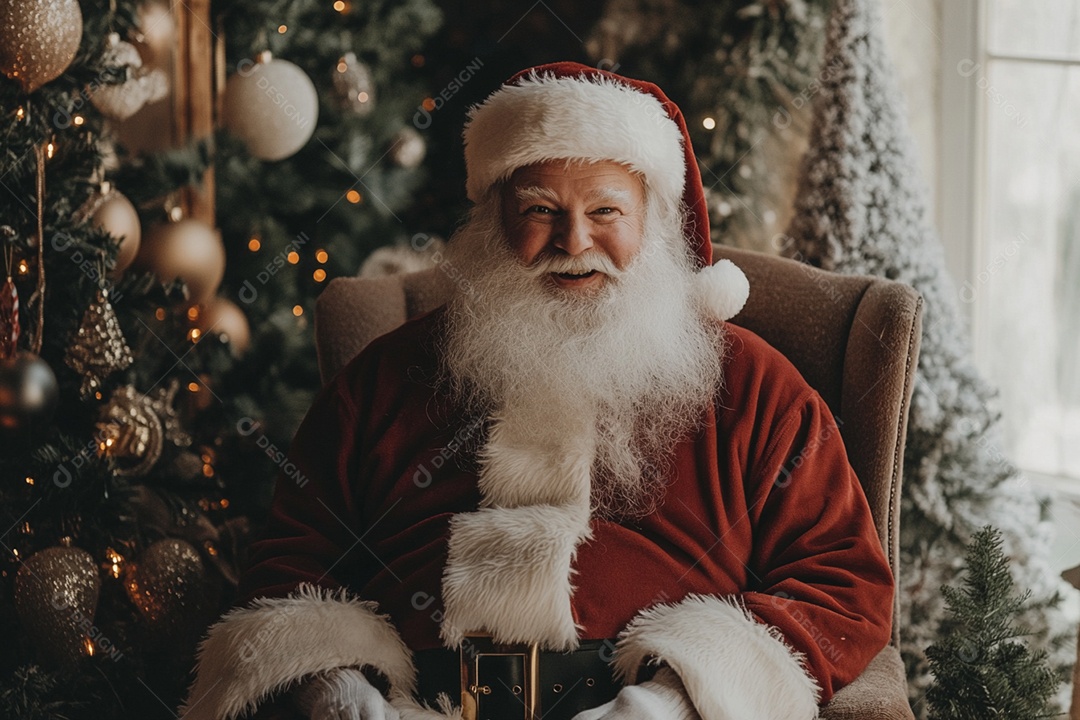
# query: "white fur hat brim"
[[545, 117]]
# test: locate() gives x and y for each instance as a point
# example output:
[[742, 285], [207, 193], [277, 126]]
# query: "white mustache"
[[589, 261]]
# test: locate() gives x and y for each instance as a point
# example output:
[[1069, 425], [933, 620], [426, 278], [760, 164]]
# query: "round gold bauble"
[[188, 249], [117, 216], [222, 316], [56, 595], [38, 39], [272, 107], [170, 586]]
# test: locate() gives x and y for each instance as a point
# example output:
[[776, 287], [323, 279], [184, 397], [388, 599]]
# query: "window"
[[1011, 127]]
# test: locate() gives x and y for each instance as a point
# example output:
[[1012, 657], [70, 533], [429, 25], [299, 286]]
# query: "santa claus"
[[573, 491]]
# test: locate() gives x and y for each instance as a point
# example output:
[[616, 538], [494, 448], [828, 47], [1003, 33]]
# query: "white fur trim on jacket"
[[723, 289], [508, 574], [554, 118], [733, 667], [256, 651]]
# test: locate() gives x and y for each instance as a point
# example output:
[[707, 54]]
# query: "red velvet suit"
[[762, 504]]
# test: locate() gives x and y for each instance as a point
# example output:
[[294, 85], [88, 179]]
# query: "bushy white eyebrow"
[[615, 196]]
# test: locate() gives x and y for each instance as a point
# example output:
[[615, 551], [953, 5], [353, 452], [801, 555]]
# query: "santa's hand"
[[342, 694], [662, 698]]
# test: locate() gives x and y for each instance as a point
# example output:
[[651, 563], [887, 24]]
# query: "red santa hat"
[[566, 110]]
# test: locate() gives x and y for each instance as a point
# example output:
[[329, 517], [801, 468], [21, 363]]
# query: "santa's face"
[[575, 221]]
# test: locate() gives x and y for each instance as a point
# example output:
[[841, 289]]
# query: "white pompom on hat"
[[565, 111]]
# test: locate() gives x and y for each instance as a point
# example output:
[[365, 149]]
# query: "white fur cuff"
[[733, 667], [256, 651]]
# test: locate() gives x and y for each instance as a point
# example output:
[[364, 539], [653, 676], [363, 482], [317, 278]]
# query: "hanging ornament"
[[56, 595], [273, 125], [143, 85], [170, 586], [222, 316], [39, 39], [112, 212], [188, 249], [9, 304], [135, 426], [28, 394], [408, 148], [99, 348], [354, 85]]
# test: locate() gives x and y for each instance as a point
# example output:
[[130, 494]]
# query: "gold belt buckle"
[[476, 646]]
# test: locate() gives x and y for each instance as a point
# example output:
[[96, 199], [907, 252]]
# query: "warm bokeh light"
[[24, 267], [78, 120], [193, 313], [193, 386], [353, 197], [709, 123], [50, 150], [339, 6], [159, 313], [342, 66], [194, 334], [297, 310], [293, 257], [429, 104], [319, 275], [362, 96], [29, 480], [321, 256], [254, 244], [282, 29]]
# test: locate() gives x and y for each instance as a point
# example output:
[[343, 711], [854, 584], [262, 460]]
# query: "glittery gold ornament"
[[354, 85], [56, 595], [38, 39], [170, 586], [99, 348], [133, 427]]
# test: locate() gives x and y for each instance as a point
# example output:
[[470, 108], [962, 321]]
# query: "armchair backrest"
[[854, 339]]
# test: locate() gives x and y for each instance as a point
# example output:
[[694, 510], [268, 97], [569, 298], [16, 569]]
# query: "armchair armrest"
[[877, 694]]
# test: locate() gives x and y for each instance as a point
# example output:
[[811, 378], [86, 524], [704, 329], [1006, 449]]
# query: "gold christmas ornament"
[[408, 148], [111, 211], [143, 85], [38, 39], [56, 595], [134, 428], [222, 316], [190, 250], [170, 586], [272, 107], [354, 85], [99, 348]]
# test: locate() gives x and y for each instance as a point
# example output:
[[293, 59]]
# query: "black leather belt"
[[508, 682]]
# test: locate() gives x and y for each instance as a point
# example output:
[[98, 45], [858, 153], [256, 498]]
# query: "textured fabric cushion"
[[854, 339]]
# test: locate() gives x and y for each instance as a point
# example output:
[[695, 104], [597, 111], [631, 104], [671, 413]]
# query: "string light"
[[709, 123], [340, 6], [29, 480], [353, 197], [24, 267], [293, 257], [114, 562], [297, 310], [193, 386], [78, 120], [193, 313], [342, 66], [254, 244], [89, 644], [50, 150], [282, 29], [20, 113], [429, 104], [319, 275], [321, 256], [160, 314], [362, 96]]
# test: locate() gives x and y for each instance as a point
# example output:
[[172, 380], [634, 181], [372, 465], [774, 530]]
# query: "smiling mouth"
[[575, 276]]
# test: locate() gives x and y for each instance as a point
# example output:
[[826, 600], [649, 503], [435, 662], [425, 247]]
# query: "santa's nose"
[[572, 235]]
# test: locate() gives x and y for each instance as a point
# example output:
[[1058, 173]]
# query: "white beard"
[[638, 359]]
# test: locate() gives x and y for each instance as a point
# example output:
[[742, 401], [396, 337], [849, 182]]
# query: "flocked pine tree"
[[981, 665], [860, 209]]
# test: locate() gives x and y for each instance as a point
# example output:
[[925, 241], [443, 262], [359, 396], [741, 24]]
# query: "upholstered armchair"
[[854, 339]]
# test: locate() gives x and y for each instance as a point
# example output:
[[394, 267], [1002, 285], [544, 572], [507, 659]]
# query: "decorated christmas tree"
[[153, 355], [981, 665]]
